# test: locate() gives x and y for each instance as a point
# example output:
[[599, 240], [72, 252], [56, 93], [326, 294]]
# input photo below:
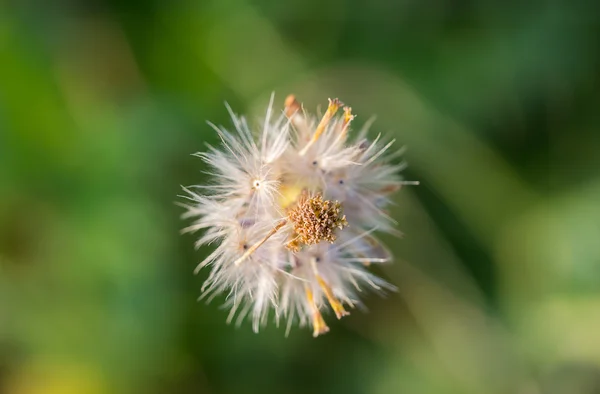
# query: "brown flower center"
[[315, 220]]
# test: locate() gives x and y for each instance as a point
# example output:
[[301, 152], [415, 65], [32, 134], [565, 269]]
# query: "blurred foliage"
[[102, 103]]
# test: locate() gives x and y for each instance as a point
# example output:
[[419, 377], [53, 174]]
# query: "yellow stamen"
[[348, 117], [257, 245], [292, 106], [334, 105], [319, 326], [295, 112], [389, 189], [336, 305]]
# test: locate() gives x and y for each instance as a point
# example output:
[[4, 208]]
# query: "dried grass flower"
[[292, 208]]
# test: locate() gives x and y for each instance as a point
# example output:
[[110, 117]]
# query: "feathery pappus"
[[292, 208]]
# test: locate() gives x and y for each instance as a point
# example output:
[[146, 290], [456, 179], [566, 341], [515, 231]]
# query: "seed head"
[[291, 210]]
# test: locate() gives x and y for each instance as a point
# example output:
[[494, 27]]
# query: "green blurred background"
[[102, 103]]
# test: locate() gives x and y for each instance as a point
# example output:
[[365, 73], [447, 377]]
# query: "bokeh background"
[[102, 103]]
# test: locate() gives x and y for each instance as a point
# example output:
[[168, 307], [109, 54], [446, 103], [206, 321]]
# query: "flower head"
[[292, 209]]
